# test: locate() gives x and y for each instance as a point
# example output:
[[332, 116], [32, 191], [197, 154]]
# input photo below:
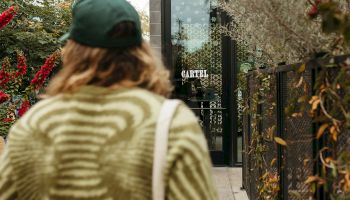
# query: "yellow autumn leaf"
[[315, 104], [321, 130], [313, 99], [335, 137], [312, 179], [334, 133], [328, 160], [280, 141], [302, 68], [273, 162]]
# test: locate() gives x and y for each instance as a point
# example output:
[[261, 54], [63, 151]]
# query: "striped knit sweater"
[[98, 144]]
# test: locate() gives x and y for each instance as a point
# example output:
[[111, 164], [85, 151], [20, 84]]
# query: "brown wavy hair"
[[128, 67]]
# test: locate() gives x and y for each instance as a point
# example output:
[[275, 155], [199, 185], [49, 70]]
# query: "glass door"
[[196, 58]]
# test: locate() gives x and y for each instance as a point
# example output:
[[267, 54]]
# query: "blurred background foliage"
[[35, 30]]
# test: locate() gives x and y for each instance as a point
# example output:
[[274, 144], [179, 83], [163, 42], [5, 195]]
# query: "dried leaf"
[[322, 87], [334, 133], [280, 141], [338, 86], [295, 115], [270, 131], [321, 130], [334, 137], [273, 162], [328, 159], [300, 82], [295, 194], [312, 179], [315, 104], [313, 99]]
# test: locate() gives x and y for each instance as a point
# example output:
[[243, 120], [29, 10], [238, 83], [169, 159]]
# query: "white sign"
[[194, 74]]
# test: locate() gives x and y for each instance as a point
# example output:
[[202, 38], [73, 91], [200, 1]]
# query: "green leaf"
[[302, 99]]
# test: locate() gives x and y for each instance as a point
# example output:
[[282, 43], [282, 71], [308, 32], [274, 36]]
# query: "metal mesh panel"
[[245, 151], [343, 143], [298, 135], [299, 155], [269, 121], [254, 173], [246, 132]]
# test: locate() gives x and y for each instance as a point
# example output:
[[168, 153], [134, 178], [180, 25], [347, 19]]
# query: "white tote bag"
[[160, 147]]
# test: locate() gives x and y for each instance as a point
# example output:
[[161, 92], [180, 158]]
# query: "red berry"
[[313, 12]]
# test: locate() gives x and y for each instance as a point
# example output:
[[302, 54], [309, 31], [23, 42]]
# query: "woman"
[[93, 137]]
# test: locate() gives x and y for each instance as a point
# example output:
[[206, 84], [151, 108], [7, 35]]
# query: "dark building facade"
[[202, 61]]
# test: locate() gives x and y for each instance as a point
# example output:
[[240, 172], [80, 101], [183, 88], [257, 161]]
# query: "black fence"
[[290, 165]]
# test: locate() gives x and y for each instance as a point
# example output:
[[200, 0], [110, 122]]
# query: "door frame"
[[230, 74]]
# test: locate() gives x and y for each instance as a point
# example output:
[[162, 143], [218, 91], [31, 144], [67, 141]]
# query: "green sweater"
[[98, 144]]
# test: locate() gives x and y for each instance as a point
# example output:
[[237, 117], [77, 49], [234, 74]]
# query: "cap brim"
[[64, 38]]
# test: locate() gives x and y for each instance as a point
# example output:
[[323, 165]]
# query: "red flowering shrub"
[[24, 108], [314, 10], [4, 74], [15, 95], [21, 65], [4, 97], [7, 74], [45, 70], [7, 16], [8, 120]]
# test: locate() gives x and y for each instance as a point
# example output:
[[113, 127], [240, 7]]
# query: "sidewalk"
[[229, 182]]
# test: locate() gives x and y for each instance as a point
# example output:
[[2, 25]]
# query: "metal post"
[[283, 194]]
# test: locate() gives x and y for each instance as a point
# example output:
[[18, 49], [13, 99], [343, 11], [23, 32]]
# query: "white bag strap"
[[160, 147]]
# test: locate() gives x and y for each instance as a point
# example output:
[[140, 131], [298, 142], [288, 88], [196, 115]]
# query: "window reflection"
[[197, 59]]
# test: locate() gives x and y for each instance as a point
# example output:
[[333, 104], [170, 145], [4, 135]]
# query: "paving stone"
[[229, 182], [225, 194]]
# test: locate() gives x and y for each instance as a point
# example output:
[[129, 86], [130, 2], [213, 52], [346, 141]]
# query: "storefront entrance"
[[202, 63]]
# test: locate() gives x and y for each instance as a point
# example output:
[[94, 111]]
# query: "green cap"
[[93, 21]]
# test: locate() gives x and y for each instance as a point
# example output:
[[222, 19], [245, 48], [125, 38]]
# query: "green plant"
[[16, 93]]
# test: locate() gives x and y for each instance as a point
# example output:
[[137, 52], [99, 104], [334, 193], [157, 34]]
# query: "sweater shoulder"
[[38, 109]]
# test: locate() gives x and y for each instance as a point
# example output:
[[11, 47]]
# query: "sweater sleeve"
[[7, 186], [190, 170]]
